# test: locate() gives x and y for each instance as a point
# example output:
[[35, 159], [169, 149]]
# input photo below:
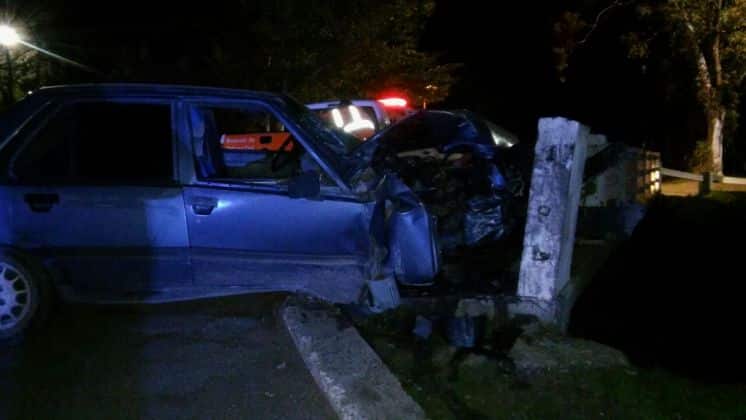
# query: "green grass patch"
[[449, 385]]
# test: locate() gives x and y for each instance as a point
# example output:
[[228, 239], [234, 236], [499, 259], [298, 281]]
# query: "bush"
[[700, 160]]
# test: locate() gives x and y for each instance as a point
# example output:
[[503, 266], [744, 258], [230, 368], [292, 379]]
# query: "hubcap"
[[15, 296]]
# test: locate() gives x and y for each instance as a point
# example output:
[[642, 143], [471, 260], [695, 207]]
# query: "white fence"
[[705, 180], [733, 180], [681, 174]]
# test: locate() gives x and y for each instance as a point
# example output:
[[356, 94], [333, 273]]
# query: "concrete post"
[[705, 187], [554, 198]]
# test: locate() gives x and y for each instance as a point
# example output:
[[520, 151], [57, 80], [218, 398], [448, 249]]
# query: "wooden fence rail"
[[681, 174], [705, 180]]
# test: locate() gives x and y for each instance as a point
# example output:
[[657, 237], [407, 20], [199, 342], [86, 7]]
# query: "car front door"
[[92, 190], [246, 228]]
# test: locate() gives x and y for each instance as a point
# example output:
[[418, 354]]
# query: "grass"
[[453, 385]]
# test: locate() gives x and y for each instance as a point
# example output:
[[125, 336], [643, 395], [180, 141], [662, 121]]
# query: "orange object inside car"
[[271, 142]]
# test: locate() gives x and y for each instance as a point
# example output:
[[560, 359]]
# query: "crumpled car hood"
[[445, 130], [454, 162]]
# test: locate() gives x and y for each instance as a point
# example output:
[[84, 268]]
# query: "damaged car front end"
[[457, 164]]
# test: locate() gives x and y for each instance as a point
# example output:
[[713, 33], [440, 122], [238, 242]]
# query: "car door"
[[247, 231], [92, 190]]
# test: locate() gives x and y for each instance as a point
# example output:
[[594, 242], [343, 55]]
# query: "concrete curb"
[[356, 382]]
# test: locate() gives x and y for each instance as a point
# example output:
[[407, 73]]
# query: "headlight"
[[500, 137], [501, 141]]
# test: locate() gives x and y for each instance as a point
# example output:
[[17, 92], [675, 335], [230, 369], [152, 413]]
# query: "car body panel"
[[132, 239], [264, 239], [197, 238], [445, 131], [455, 162], [398, 221]]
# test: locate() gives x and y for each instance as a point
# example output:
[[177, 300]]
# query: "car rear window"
[[100, 142]]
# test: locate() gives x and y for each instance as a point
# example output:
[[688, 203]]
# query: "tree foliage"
[[23, 69], [325, 49], [312, 49], [709, 36]]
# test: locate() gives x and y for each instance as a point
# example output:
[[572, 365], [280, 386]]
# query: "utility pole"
[[10, 79], [9, 38]]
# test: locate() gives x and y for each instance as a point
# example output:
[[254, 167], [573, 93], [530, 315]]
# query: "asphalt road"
[[217, 359]]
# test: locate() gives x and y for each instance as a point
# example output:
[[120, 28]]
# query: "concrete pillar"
[[705, 187], [554, 198]]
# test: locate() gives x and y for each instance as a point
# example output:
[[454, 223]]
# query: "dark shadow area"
[[673, 295], [214, 358]]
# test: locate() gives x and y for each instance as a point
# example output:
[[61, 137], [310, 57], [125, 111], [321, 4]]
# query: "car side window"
[[100, 142], [247, 143]]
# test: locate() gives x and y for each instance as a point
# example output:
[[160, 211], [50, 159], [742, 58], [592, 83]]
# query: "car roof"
[[144, 89]]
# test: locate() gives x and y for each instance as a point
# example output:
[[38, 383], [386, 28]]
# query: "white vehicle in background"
[[361, 117]]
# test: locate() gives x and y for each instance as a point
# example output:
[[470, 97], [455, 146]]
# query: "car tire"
[[25, 297]]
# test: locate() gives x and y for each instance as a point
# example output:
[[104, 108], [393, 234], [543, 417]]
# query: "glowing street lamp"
[[8, 36]]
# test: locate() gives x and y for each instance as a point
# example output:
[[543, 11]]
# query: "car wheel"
[[24, 297]]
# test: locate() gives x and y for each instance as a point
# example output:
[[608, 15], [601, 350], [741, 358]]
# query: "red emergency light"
[[394, 102]]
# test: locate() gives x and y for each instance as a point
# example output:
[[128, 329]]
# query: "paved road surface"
[[219, 358]]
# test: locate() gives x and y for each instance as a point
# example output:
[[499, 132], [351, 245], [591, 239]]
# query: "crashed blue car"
[[150, 193]]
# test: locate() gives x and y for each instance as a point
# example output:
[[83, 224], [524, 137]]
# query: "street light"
[[8, 36]]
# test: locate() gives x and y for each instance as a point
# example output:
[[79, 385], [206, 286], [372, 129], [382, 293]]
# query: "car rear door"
[[92, 189]]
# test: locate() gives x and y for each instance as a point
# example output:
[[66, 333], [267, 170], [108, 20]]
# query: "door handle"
[[203, 206], [41, 203]]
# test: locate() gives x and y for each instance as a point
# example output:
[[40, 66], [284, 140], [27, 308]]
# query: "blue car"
[[150, 193]]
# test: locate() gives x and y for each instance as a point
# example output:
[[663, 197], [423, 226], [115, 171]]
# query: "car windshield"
[[333, 145]]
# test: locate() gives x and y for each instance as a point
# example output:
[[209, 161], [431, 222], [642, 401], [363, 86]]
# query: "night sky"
[[509, 74], [508, 71]]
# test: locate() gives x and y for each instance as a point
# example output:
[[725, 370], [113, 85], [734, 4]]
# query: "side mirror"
[[306, 185]]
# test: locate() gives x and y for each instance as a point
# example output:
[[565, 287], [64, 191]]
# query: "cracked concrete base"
[[351, 375]]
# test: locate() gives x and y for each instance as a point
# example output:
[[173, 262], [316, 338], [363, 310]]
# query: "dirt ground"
[[546, 376], [683, 188]]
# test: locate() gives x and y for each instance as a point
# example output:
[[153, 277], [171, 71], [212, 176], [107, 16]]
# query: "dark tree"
[[708, 36], [320, 49]]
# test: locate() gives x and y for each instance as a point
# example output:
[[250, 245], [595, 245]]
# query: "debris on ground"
[[539, 350], [461, 331], [423, 327]]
